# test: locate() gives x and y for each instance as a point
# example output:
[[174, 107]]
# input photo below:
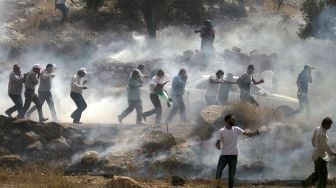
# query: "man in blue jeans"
[[227, 142], [77, 87]]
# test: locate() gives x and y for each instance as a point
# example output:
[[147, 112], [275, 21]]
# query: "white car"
[[196, 89]]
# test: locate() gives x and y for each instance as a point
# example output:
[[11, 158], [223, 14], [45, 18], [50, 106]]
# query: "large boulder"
[[11, 161], [212, 115], [158, 140], [210, 118]]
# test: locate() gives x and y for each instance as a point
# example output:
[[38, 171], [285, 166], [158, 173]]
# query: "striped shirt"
[[31, 80], [15, 84]]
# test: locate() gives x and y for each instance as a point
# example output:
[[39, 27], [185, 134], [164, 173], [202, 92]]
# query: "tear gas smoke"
[[284, 151]]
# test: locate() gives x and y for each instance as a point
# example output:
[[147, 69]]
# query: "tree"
[[312, 10]]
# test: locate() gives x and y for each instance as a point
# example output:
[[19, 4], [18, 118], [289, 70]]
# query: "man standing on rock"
[[134, 96], [15, 86], [44, 92], [320, 155], [77, 87], [31, 81], [244, 83], [178, 90], [228, 143]]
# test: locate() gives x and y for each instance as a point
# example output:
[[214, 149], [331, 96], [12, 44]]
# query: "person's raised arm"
[[251, 134]]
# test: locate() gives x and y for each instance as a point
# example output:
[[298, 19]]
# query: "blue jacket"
[[134, 89], [178, 85]]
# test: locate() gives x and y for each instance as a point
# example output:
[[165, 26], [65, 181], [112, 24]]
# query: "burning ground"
[[148, 153]]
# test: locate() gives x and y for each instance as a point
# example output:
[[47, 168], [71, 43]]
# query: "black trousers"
[[137, 104], [178, 105], [81, 106], [45, 96], [157, 108], [222, 162], [30, 97], [320, 175], [18, 104]]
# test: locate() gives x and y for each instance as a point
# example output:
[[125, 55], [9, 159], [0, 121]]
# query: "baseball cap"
[[83, 70], [307, 66]]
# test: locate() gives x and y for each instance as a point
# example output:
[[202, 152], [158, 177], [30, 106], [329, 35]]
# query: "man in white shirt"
[[77, 87], [213, 85], [320, 155], [157, 89], [44, 91], [228, 143]]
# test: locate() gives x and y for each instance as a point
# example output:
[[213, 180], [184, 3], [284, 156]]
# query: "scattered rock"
[[4, 151], [11, 161], [35, 146], [90, 158], [59, 144], [32, 136], [177, 181], [123, 182], [212, 115], [158, 140]]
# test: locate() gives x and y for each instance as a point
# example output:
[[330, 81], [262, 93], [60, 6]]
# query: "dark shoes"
[[42, 120], [9, 114], [76, 122]]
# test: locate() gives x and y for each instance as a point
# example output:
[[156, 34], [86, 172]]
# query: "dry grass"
[[34, 176]]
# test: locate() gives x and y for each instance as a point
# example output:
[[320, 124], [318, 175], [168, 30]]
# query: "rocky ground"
[[102, 155]]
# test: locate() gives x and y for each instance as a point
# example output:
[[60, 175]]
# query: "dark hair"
[[135, 73], [141, 66], [250, 67], [327, 121], [160, 72], [49, 65], [227, 117], [16, 66], [220, 72], [182, 71]]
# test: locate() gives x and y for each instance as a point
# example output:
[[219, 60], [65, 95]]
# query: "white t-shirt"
[[212, 89], [229, 138]]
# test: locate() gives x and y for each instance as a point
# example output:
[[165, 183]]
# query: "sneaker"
[[43, 120], [9, 114], [119, 119]]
